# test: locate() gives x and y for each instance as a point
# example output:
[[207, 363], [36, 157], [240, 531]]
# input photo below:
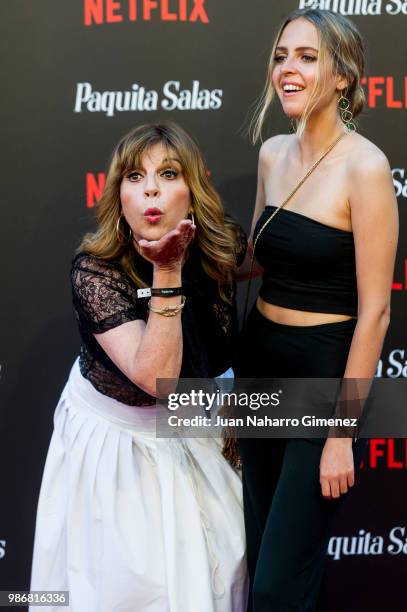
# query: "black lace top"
[[104, 296]]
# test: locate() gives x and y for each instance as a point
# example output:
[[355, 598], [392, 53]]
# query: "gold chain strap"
[[293, 192]]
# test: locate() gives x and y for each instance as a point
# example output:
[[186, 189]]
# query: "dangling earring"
[[346, 114], [119, 234], [191, 212], [293, 126]]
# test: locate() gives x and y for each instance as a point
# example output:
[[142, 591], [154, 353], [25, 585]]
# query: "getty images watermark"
[[282, 407], [252, 401]]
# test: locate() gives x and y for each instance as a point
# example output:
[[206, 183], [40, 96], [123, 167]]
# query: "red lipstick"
[[153, 215]]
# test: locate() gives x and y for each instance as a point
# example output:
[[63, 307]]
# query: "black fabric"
[[288, 522], [105, 297], [307, 265]]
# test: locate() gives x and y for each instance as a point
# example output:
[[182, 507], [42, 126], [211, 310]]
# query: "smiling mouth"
[[153, 215], [290, 90]]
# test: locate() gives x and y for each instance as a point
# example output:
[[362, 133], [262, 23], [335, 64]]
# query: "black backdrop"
[[54, 153]]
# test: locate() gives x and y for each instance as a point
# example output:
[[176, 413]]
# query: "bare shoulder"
[[365, 160], [273, 146], [370, 183]]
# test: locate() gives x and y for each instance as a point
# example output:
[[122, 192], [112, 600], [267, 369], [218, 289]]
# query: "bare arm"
[[147, 351], [375, 227]]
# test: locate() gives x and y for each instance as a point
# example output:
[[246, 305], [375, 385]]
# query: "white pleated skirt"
[[129, 522]]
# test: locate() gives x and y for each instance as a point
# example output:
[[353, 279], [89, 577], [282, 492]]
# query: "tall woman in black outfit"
[[323, 309]]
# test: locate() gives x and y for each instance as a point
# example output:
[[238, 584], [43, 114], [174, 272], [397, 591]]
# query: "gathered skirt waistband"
[[82, 394]]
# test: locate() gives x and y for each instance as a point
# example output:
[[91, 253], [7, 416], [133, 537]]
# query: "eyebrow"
[[164, 161], [170, 159], [298, 49]]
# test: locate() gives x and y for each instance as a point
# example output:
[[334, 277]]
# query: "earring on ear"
[[191, 212], [121, 239], [346, 113]]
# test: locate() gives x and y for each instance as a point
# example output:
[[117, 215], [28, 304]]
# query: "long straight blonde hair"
[[216, 236], [338, 38]]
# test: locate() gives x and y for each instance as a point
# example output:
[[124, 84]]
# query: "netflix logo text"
[[95, 183], [98, 12], [385, 91], [388, 453]]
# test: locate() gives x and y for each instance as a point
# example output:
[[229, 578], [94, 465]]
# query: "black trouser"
[[288, 521]]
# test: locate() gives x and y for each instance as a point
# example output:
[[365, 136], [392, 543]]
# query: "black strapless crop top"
[[307, 265]]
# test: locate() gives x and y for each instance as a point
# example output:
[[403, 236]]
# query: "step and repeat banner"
[[76, 77]]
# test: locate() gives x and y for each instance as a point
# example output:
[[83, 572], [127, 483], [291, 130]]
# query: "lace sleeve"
[[241, 245], [103, 296], [240, 239]]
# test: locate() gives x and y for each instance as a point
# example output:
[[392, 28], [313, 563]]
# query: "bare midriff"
[[289, 316]]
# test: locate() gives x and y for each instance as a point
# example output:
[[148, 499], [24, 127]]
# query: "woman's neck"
[[320, 132]]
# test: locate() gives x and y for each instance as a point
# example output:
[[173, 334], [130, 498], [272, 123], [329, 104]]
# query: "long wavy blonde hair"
[[340, 39], [216, 236]]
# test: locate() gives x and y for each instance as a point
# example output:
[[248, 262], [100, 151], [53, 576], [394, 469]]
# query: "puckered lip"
[[153, 212]]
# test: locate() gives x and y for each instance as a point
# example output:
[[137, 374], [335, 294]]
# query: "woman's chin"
[[292, 114], [151, 232]]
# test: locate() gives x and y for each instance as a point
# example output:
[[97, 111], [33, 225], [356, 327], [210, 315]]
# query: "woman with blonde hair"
[[324, 236], [127, 520]]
